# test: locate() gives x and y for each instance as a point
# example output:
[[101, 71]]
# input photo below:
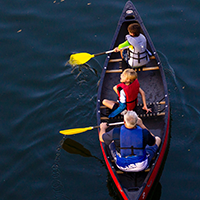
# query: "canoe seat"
[[121, 172], [136, 69], [119, 70], [120, 60], [157, 109]]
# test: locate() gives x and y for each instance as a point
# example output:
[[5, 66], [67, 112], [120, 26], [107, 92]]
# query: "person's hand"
[[147, 109], [103, 126], [116, 49]]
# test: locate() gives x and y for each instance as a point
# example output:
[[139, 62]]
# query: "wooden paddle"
[[81, 58], [74, 131]]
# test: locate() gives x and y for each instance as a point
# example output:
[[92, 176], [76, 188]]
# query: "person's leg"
[[109, 103]]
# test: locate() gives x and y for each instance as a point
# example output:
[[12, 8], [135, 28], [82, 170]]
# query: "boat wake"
[[57, 185], [182, 112], [82, 104]]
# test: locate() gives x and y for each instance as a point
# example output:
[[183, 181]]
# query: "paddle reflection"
[[73, 147]]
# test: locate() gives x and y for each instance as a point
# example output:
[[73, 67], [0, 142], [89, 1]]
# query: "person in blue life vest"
[[134, 50], [127, 92], [137, 144]]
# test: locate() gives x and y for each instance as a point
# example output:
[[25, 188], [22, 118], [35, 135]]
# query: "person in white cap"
[[137, 144]]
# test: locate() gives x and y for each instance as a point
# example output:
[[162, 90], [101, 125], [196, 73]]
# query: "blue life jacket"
[[132, 156], [131, 142]]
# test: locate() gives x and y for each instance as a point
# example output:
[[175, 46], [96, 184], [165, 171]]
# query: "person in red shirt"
[[127, 92]]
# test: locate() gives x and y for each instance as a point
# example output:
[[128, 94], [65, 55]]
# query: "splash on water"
[[81, 68]]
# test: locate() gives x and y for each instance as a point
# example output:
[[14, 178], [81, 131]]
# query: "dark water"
[[40, 96]]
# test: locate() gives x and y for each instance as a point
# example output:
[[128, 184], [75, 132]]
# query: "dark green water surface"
[[40, 95]]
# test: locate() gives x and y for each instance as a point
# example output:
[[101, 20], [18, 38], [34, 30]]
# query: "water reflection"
[[57, 185], [74, 147]]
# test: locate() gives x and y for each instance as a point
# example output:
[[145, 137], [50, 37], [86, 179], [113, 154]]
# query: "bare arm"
[[157, 139], [115, 89], [142, 93], [103, 127], [140, 123]]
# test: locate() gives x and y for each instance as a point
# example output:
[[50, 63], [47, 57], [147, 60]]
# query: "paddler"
[[134, 50]]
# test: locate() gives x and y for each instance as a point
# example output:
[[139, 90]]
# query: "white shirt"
[[122, 96]]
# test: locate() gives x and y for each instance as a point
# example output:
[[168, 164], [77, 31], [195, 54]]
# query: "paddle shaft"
[[111, 124], [102, 53]]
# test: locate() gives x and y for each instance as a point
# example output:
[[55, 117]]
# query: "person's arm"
[[103, 127], [115, 89], [140, 123], [122, 46], [106, 137], [142, 93], [157, 139]]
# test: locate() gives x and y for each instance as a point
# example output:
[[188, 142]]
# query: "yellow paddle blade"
[[75, 131], [79, 58]]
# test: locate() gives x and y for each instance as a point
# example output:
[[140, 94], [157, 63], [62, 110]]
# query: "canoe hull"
[[153, 82]]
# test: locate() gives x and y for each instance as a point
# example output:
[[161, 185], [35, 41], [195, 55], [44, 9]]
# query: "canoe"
[[138, 185]]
